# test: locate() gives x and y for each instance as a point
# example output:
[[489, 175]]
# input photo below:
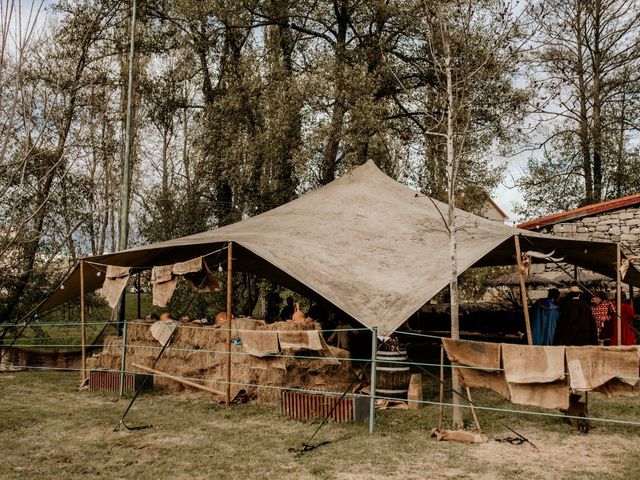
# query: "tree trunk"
[[621, 149], [458, 421], [330, 156], [597, 106], [165, 162], [585, 141]]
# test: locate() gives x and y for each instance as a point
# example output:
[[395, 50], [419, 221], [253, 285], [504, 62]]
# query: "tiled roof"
[[589, 210]]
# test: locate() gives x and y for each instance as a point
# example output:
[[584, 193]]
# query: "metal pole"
[[372, 400], [83, 336], [124, 210], [123, 362], [618, 294], [441, 396], [229, 299], [523, 290]]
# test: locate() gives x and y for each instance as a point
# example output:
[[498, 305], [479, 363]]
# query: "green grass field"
[[50, 430]]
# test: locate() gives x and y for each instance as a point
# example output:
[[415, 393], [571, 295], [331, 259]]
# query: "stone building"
[[492, 211], [614, 220]]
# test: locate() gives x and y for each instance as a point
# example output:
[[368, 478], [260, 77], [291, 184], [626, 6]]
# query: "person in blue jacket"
[[545, 317]]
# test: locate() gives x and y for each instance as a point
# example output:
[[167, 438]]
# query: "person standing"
[[603, 311], [627, 334], [576, 325], [545, 318]]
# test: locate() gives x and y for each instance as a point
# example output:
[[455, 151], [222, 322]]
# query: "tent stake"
[[372, 400], [523, 289], [83, 336], [229, 294], [618, 294]]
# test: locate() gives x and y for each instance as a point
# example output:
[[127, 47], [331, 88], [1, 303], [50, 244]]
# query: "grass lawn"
[[50, 430]]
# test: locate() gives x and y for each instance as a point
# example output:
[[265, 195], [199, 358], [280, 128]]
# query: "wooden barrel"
[[393, 374]]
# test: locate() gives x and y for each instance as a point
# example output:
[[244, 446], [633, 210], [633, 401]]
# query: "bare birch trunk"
[[458, 421]]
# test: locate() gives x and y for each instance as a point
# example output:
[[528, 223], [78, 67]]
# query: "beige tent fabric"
[[300, 340], [611, 370], [377, 249], [618, 388], [164, 284], [470, 352], [196, 272], [259, 343], [533, 364], [162, 273], [484, 357], [536, 375], [202, 281], [114, 271], [554, 395], [115, 281], [190, 266], [163, 291], [162, 330]]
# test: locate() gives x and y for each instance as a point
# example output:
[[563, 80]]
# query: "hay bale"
[[139, 331], [199, 352], [247, 323], [292, 325]]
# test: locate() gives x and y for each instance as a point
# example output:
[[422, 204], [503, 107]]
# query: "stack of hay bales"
[[199, 353]]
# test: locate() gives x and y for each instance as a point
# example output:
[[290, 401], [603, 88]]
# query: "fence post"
[[372, 401]]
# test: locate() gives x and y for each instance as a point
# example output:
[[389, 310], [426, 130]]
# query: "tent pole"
[[372, 400], [138, 292], [229, 294], [83, 336], [618, 294], [523, 289], [473, 410]]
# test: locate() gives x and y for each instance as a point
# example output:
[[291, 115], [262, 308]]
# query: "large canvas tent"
[[365, 243]]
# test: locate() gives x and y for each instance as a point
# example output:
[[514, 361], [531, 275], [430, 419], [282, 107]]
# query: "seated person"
[[287, 311]]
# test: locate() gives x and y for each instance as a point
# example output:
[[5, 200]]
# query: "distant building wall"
[[621, 225]]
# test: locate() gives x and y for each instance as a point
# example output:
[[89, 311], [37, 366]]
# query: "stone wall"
[[621, 225]]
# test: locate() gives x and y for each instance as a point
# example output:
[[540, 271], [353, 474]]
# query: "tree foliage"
[[584, 66], [240, 107]]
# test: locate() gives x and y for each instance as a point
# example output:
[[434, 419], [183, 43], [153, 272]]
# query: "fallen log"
[[178, 379]]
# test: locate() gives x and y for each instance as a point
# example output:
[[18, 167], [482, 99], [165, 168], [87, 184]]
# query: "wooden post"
[[83, 336], [414, 396], [473, 410], [229, 298], [178, 379], [441, 397], [618, 294], [138, 291], [523, 290]]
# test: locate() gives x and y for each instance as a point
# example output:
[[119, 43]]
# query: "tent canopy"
[[365, 243]]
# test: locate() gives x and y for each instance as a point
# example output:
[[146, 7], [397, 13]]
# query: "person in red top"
[[627, 334], [604, 311]]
